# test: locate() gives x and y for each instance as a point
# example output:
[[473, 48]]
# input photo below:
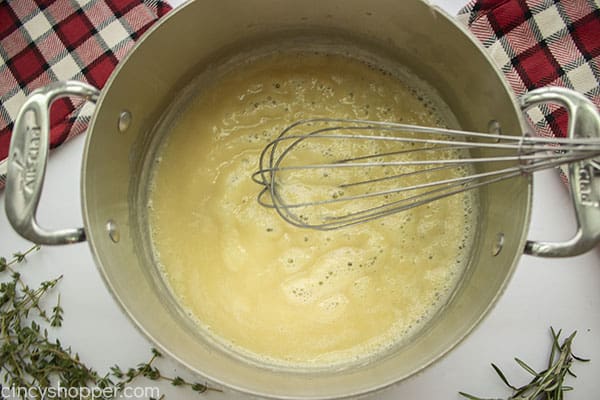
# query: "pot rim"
[[248, 391]]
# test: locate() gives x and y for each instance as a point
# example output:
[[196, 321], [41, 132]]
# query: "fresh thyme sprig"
[[30, 360], [547, 384], [149, 371]]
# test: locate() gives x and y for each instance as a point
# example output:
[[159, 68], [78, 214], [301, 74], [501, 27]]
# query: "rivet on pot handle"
[[28, 155], [584, 176]]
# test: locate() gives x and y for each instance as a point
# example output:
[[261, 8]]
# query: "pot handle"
[[584, 176], [27, 158]]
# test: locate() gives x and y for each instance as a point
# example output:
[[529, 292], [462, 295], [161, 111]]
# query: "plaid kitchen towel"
[[541, 43], [42, 41], [534, 42]]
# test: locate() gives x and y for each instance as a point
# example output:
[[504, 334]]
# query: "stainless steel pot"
[[122, 134]]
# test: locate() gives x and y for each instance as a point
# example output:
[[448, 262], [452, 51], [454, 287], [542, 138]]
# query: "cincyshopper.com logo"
[[77, 393]]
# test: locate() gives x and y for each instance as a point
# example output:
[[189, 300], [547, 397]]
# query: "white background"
[[562, 293]]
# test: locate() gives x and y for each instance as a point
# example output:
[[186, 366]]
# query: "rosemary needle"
[[547, 384], [33, 363], [30, 359]]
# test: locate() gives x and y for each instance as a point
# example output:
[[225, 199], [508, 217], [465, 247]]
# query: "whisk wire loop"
[[329, 173]]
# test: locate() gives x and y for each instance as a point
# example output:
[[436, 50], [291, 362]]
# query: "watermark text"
[[78, 393]]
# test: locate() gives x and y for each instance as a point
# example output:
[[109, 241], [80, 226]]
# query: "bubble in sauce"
[[279, 294]]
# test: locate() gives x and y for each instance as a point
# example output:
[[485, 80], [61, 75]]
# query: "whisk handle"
[[584, 176]]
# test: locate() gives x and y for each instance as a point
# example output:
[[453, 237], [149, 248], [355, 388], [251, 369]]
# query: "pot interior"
[[155, 80]]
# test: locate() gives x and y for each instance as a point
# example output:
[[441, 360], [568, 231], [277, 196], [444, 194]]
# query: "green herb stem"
[[547, 384], [28, 358]]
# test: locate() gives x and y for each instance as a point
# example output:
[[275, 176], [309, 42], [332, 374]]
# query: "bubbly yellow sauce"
[[279, 293]]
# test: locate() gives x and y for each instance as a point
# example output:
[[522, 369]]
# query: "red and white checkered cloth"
[[534, 42], [541, 43], [42, 41]]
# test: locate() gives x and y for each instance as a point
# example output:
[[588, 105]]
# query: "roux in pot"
[[274, 292]]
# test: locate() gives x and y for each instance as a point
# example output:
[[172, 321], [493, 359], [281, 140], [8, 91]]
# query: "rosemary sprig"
[[547, 384], [33, 362]]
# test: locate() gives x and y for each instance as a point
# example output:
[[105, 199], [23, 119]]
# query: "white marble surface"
[[561, 293]]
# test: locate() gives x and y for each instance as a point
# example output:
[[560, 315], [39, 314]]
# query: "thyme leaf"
[[33, 362]]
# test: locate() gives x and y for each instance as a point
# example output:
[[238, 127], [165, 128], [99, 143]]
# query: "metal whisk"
[[329, 173]]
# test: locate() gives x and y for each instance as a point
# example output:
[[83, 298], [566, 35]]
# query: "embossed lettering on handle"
[[584, 176], [28, 155]]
